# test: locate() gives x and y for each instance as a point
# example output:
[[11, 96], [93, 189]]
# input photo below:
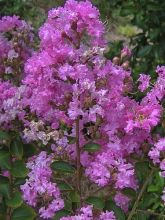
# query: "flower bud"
[[125, 65], [116, 60]]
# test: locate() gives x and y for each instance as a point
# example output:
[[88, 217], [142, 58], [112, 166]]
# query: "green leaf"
[[74, 196], [19, 169], [4, 186], [64, 186], [16, 149], [152, 188], [61, 214], [23, 213], [15, 201], [68, 204], [111, 206], [19, 181], [91, 147], [142, 170], [140, 216], [62, 166], [29, 150], [129, 192], [4, 160], [144, 51], [148, 200], [4, 135], [97, 202]]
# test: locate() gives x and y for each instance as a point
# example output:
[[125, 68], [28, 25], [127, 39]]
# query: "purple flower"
[[144, 82]]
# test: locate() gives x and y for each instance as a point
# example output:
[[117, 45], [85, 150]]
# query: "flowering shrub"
[[90, 145]]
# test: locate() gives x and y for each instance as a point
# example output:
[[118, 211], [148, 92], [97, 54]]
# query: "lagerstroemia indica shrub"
[[71, 115]]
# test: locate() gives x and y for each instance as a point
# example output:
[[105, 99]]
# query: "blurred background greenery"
[[137, 23]]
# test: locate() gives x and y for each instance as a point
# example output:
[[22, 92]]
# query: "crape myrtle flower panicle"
[[85, 213], [38, 186], [16, 39]]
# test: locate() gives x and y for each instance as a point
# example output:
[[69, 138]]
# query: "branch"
[[140, 195], [78, 156], [150, 212]]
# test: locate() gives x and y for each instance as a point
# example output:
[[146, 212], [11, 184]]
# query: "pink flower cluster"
[[157, 155], [86, 214], [16, 49], [39, 187]]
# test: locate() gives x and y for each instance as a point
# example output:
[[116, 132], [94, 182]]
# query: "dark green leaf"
[[96, 202], [144, 51], [4, 135], [68, 204], [152, 188], [16, 149], [64, 186], [111, 206], [129, 192], [4, 186], [4, 160], [142, 170], [148, 200], [74, 196], [19, 169], [15, 201], [29, 150], [63, 166], [140, 216], [91, 147], [19, 181], [61, 214], [23, 213]]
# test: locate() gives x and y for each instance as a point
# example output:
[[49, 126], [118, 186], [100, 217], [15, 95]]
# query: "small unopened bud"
[[126, 52], [123, 55], [116, 60], [15, 44], [125, 65]]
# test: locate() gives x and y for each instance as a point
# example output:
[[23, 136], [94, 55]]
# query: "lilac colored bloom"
[[144, 82], [125, 177], [107, 216], [85, 214], [126, 52], [122, 201], [38, 186]]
